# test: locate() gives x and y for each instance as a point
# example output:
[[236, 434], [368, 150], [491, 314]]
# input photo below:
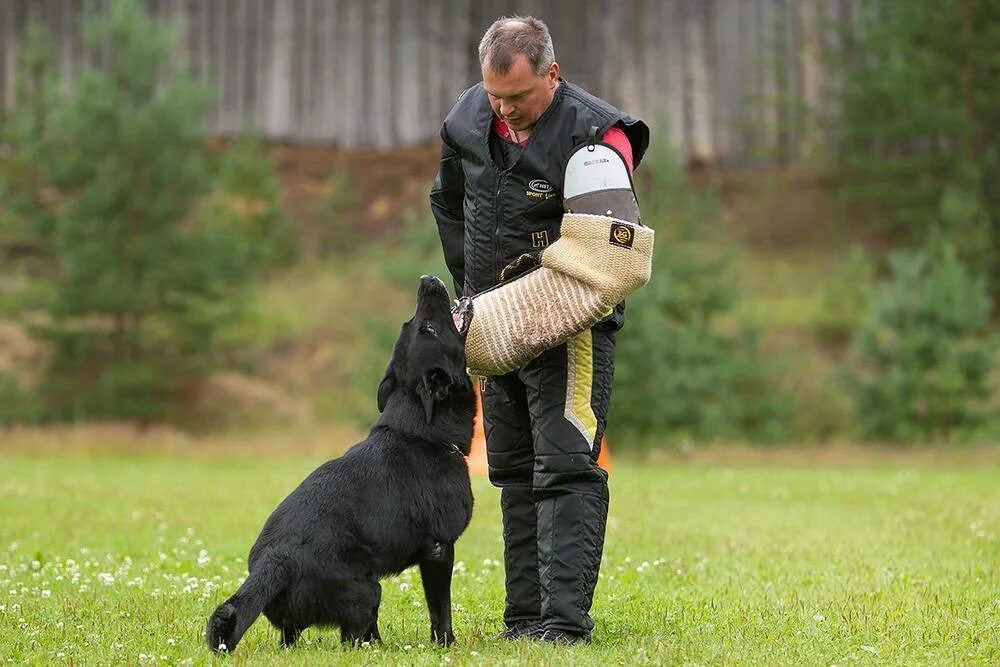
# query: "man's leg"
[[568, 393], [511, 461]]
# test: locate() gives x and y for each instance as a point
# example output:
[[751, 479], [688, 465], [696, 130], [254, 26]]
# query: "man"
[[497, 196]]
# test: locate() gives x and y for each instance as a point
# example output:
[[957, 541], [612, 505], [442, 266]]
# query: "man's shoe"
[[521, 629], [564, 637]]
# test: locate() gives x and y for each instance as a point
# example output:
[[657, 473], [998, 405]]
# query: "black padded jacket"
[[488, 216]]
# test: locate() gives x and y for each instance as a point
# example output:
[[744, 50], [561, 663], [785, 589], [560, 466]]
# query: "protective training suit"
[[544, 421]]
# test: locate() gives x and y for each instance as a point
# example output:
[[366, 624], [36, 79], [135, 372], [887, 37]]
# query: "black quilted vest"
[[511, 211]]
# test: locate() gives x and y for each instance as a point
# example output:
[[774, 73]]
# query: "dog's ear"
[[434, 386], [386, 387]]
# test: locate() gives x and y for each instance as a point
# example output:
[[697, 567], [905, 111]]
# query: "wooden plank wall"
[[726, 81]]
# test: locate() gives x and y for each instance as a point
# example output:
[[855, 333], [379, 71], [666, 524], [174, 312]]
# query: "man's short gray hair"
[[512, 35]]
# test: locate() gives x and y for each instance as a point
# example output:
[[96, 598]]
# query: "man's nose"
[[506, 109]]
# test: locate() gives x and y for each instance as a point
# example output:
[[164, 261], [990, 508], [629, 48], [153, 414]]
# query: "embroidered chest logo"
[[621, 235], [540, 189], [539, 239]]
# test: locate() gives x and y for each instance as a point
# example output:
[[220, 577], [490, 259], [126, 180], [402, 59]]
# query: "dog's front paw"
[[443, 637]]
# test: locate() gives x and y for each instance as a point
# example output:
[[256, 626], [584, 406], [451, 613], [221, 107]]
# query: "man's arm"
[[447, 196]]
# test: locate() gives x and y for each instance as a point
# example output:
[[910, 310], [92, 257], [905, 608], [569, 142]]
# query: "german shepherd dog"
[[401, 497]]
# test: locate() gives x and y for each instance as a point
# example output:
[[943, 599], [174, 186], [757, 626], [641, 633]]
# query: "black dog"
[[400, 497]]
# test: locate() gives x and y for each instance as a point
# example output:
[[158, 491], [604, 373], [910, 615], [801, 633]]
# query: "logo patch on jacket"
[[540, 239], [621, 235], [540, 189]]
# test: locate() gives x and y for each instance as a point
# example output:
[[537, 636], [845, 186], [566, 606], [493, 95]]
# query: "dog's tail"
[[270, 576]]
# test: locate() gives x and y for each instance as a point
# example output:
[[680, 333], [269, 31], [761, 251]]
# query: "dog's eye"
[[428, 329]]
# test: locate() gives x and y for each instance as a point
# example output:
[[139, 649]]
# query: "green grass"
[[120, 560]]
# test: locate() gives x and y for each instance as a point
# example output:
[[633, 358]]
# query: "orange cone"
[[477, 456]]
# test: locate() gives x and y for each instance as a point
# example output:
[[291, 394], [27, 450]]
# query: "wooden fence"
[[726, 80]]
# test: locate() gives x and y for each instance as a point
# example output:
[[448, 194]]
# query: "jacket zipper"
[[496, 229]]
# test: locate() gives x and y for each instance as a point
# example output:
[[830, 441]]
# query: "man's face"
[[520, 97]]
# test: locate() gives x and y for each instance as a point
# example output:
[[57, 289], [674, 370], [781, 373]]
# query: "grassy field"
[[120, 560]]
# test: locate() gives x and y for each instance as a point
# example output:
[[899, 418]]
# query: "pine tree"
[[144, 281], [917, 120]]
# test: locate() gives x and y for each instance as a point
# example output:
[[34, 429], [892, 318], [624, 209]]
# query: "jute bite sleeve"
[[596, 262]]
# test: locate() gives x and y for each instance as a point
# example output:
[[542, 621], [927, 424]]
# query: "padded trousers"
[[544, 423]]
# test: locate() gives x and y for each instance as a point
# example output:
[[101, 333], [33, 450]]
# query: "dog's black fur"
[[401, 497]]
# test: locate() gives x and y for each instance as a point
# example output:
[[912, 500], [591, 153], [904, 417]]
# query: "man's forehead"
[[519, 78]]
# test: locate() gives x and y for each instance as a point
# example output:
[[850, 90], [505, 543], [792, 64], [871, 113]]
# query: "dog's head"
[[429, 356]]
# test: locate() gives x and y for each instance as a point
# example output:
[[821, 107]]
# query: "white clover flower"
[[819, 618], [404, 587], [407, 647], [106, 578], [203, 558], [35, 565], [46, 593]]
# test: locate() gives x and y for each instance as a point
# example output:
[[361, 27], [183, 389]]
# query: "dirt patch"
[[20, 355], [792, 207], [232, 398], [381, 185], [768, 208]]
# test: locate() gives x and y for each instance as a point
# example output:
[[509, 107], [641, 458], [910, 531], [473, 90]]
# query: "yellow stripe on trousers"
[[579, 385]]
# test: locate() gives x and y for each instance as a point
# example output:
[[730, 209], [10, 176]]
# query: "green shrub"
[[923, 354], [18, 404], [679, 368], [244, 204], [337, 232], [111, 176], [845, 298], [413, 251]]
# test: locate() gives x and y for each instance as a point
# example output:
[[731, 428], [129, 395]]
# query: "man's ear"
[[385, 388]]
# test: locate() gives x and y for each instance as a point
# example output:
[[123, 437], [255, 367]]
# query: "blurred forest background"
[[213, 214]]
